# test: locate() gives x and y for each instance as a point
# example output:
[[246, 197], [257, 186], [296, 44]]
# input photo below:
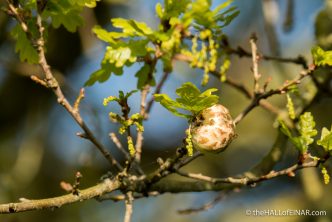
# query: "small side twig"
[[204, 207], [139, 139], [245, 91], [17, 15], [283, 89], [77, 103], [129, 206], [78, 177], [119, 145], [241, 52], [289, 171], [72, 188], [199, 176], [157, 90], [38, 80], [122, 197], [255, 58]]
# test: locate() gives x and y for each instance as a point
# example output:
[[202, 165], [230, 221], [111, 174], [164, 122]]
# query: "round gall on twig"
[[212, 129]]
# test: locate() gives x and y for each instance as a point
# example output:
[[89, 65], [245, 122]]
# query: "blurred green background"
[[39, 149]]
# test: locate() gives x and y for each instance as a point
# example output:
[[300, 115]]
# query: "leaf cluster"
[[190, 99], [321, 57], [136, 41], [57, 12]]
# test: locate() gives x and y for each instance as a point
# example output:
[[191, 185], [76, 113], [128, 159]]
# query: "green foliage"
[[171, 9], [132, 28], [290, 107], [143, 76], [205, 18], [326, 139], [321, 57], [23, 45], [190, 99], [121, 53], [306, 129], [136, 41], [86, 3], [67, 12], [60, 12], [64, 13], [295, 140]]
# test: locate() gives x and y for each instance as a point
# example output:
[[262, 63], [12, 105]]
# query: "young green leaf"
[[295, 140], [132, 27], [104, 73], [115, 58], [170, 104], [307, 128], [64, 13], [172, 9], [187, 93], [87, 3], [190, 99], [104, 35], [23, 46], [215, 19], [143, 76], [321, 57], [326, 139]]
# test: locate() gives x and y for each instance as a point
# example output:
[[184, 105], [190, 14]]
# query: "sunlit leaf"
[[307, 128], [321, 57], [326, 139], [190, 99]]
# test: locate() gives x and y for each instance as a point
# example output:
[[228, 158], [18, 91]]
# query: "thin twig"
[[129, 206], [257, 76], [300, 60], [242, 88], [170, 166], [122, 197], [187, 160], [241, 52], [157, 90], [199, 176], [38, 80], [18, 17], [248, 181], [53, 84], [204, 207], [118, 145], [283, 89], [139, 139], [78, 101], [245, 91], [197, 185]]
